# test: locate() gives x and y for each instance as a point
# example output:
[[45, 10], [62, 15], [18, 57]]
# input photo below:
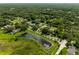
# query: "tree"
[[34, 27], [45, 31]]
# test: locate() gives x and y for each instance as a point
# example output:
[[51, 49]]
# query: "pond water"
[[39, 39]]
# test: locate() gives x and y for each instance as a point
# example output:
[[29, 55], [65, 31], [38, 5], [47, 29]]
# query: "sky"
[[39, 1]]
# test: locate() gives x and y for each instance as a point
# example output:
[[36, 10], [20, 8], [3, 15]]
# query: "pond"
[[39, 39]]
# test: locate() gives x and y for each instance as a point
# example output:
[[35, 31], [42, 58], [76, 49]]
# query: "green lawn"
[[6, 37], [20, 47], [8, 45], [63, 51]]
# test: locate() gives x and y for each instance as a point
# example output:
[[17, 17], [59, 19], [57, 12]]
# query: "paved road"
[[62, 45]]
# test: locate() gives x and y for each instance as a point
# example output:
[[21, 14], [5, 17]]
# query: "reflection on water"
[[28, 35]]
